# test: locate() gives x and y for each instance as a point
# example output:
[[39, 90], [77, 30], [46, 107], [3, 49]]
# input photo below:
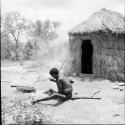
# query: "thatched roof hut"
[[97, 46]]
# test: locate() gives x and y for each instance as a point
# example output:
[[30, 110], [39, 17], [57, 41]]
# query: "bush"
[[21, 111]]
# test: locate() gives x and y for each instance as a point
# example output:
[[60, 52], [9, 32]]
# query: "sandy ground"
[[108, 110]]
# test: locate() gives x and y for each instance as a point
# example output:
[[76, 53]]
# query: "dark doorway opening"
[[86, 57]]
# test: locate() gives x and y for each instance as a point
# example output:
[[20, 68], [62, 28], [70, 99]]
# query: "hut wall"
[[75, 42], [110, 58], [108, 54], [75, 53], [97, 48]]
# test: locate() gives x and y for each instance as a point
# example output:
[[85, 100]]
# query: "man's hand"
[[52, 80], [50, 92], [33, 102]]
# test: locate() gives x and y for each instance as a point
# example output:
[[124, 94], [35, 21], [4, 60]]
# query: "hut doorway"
[[86, 57]]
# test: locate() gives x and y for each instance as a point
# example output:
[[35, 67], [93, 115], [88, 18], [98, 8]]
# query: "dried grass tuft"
[[105, 20]]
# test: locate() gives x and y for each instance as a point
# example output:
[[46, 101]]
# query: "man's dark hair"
[[54, 71]]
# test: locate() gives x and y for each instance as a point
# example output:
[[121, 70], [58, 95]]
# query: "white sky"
[[68, 12]]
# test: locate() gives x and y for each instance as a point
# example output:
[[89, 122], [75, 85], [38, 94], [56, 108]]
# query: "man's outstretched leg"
[[53, 96]]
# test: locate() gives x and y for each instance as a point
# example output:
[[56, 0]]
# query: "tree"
[[14, 25], [45, 31], [28, 50], [5, 46]]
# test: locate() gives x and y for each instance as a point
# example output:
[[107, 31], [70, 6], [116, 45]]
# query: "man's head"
[[54, 73]]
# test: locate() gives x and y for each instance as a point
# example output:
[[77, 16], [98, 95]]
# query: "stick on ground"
[[74, 98], [95, 93]]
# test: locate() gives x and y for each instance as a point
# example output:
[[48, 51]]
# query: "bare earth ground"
[[108, 110]]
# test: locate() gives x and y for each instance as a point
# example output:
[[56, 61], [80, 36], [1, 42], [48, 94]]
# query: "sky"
[[68, 12]]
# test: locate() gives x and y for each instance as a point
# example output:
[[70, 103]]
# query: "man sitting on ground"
[[64, 87]]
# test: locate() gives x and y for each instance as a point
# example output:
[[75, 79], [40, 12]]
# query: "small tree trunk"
[[17, 47]]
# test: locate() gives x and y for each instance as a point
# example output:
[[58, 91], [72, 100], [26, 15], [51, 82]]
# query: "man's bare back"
[[64, 87]]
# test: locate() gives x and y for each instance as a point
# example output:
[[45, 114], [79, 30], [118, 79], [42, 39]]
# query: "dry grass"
[[112, 65], [20, 111], [101, 20]]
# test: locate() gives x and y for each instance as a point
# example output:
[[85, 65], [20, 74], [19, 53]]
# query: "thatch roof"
[[101, 20]]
